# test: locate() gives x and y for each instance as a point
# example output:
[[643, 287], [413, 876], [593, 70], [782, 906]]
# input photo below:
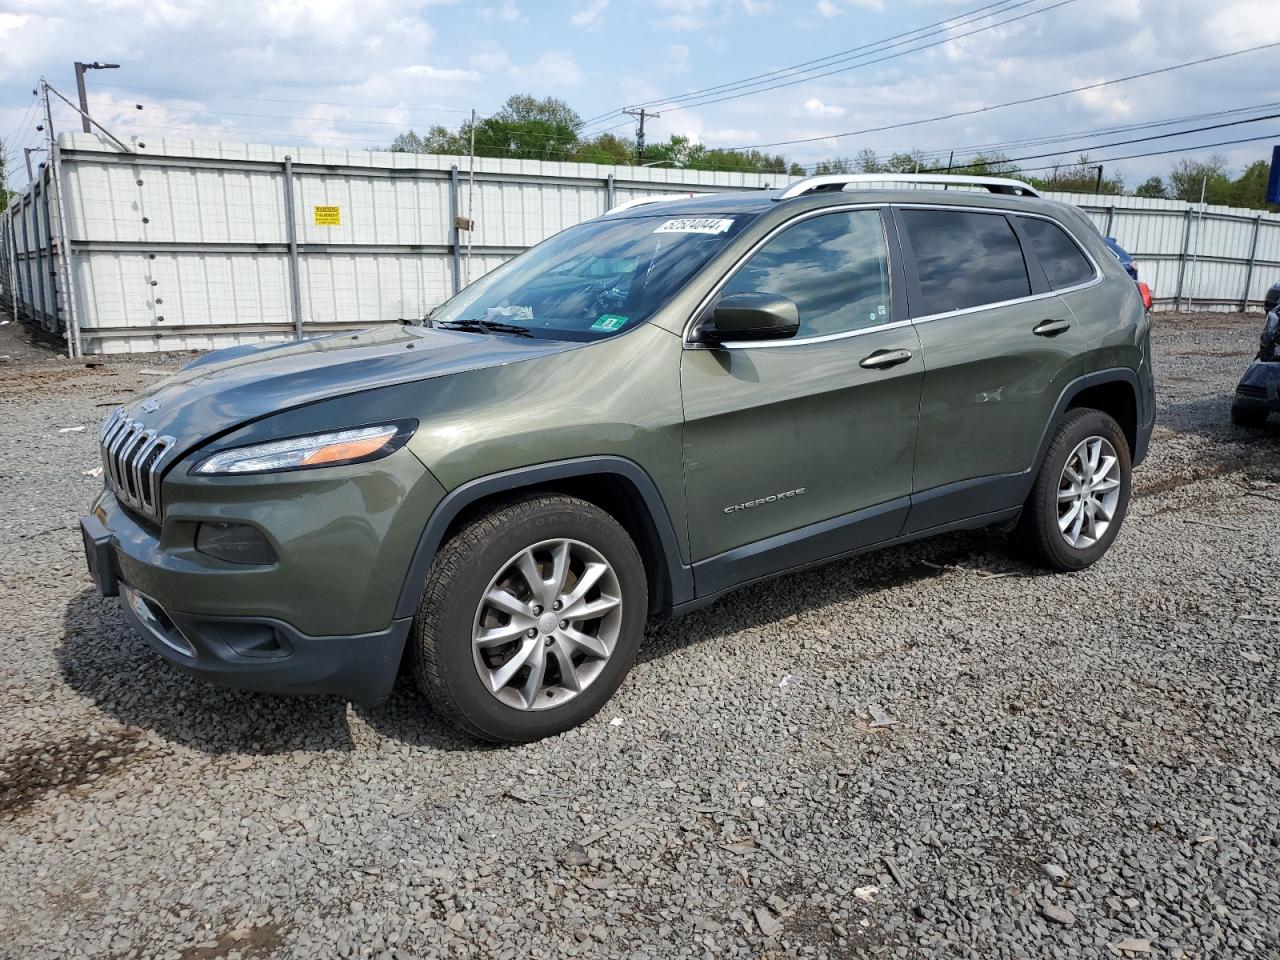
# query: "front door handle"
[[1051, 328], [884, 359]]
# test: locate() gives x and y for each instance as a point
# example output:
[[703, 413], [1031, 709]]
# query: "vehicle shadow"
[[102, 659], [982, 553]]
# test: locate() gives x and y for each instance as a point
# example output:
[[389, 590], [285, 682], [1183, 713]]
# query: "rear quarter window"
[[964, 260], [1065, 264]]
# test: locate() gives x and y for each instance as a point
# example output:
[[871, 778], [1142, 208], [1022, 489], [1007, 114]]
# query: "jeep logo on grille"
[[772, 498]]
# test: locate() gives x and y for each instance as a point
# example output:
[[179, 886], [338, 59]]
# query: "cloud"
[[556, 68], [816, 108], [507, 13], [589, 15], [828, 8], [677, 60]]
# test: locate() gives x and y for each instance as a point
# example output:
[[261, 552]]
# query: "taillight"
[[1146, 294]]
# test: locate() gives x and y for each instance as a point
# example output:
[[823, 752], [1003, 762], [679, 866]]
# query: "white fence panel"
[[186, 245]]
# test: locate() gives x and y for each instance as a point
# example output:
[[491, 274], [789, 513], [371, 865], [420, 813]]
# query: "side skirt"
[[802, 549]]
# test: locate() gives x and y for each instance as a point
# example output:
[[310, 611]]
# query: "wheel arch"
[[615, 484], [1118, 399], [1115, 389]]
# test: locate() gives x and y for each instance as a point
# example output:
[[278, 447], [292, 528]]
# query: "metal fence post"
[[38, 189], [609, 193], [27, 204], [291, 235], [1111, 217], [455, 240], [63, 261], [1182, 259], [1253, 256]]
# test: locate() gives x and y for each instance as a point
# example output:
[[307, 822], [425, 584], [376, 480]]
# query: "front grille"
[[1252, 391], [132, 457]]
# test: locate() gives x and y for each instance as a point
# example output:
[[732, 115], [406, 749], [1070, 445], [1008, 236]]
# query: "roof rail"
[[838, 181], [660, 198]]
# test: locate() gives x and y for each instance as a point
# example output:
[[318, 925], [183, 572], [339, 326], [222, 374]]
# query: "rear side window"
[[964, 259], [1064, 263], [834, 267]]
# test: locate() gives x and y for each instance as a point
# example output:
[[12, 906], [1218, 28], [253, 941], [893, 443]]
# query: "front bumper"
[[1259, 388], [321, 619], [250, 653], [269, 655]]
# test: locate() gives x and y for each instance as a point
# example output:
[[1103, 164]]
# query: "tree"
[[438, 139], [608, 148], [834, 165], [1079, 177], [1250, 188], [1152, 187], [1188, 176], [528, 128], [4, 183]]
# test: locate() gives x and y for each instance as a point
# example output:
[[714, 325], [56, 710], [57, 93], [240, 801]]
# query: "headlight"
[[357, 445]]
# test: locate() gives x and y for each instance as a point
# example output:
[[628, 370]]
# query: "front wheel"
[[531, 619], [1080, 495]]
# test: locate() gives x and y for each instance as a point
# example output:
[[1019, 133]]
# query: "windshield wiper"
[[484, 326]]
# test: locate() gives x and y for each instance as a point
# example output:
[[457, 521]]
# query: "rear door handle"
[[1051, 328], [884, 359]]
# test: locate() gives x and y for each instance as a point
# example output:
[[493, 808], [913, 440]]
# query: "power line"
[[868, 63], [264, 116], [987, 148], [1161, 153], [1013, 103], [842, 54], [323, 103], [1122, 143]]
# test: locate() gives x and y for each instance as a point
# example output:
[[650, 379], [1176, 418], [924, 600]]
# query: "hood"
[[219, 391]]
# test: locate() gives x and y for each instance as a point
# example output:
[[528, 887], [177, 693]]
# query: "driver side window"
[[834, 267]]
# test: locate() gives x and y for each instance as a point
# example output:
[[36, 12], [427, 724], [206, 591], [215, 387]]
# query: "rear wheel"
[[531, 619], [1080, 495], [1248, 416]]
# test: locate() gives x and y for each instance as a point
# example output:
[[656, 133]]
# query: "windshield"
[[593, 280]]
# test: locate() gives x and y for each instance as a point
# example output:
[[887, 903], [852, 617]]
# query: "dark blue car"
[[1122, 255], [1258, 393]]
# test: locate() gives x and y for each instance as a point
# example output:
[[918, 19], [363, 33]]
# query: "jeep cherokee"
[[637, 415]]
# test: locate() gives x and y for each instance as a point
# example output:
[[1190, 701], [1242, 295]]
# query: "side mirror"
[[741, 317]]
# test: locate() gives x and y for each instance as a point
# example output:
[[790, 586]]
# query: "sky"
[[354, 73]]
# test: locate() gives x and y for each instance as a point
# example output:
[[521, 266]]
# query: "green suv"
[[636, 416]]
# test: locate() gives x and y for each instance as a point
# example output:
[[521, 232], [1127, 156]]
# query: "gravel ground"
[[933, 751]]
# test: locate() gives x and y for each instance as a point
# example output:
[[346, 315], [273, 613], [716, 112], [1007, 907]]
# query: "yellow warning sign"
[[328, 216]]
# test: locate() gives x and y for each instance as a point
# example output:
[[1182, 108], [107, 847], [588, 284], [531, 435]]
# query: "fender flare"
[[680, 575], [1077, 386]]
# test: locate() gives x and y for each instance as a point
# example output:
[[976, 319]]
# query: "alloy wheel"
[[547, 624], [1088, 492]]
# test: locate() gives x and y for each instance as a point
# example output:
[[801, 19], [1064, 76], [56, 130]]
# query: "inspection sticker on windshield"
[[710, 225], [609, 322]]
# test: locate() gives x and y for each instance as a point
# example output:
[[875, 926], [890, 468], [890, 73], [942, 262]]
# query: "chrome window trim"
[[691, 344], [1098, 276]]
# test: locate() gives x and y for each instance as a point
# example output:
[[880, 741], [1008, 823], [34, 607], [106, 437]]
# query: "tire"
[[1248, 416], [1039, 531], [484, 560]]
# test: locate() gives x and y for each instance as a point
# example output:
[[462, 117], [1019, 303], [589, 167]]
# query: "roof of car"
[[762, 201]]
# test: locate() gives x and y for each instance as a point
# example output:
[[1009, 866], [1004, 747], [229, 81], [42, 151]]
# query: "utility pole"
[[640, 114], [84, 97], [29, 151], [1097, 186], [63, 240]]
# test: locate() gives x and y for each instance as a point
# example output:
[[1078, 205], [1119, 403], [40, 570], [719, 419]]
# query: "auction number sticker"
[[328, 216], [712, 225]]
